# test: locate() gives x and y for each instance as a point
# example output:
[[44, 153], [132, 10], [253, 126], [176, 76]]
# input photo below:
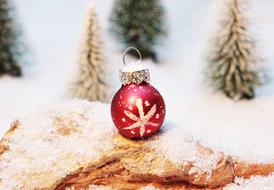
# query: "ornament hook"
[[128, 50]]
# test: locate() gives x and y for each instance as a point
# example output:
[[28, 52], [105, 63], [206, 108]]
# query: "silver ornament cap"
[[134, 72]]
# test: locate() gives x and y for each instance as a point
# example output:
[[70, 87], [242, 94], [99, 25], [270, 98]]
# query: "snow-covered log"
[[75, 146]]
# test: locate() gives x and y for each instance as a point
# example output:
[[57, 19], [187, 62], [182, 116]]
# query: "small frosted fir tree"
[[90, 81], [9, 44], [138, 23], [232, 65]]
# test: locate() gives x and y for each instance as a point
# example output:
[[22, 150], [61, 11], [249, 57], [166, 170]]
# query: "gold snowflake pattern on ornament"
[[143, 119]]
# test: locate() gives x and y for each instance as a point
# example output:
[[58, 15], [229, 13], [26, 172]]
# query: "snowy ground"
[[53, 29]]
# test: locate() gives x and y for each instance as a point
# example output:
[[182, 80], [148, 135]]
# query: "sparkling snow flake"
[[143, 119]]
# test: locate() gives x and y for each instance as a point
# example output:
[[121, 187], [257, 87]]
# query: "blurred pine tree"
[[9, 44], [138, 24], [90, 82], [231, 64]]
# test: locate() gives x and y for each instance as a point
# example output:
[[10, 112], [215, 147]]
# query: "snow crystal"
[[37, 149], [255, 183]]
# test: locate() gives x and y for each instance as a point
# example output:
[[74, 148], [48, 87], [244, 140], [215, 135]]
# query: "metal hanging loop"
[[128, 50]]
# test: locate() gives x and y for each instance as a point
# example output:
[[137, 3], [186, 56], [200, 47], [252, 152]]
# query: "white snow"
[[52, 143], [255, 183], [133, 66], [243, 129], [176, 144]]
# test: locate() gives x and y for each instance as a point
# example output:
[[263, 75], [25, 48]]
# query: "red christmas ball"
[[138, 110]]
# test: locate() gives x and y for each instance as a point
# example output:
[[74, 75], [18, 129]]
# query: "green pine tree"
[[138, 23], [9, 44], [90, 82], [232, 65]]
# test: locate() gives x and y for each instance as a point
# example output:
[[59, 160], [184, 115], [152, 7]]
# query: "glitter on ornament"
[[142, 120]]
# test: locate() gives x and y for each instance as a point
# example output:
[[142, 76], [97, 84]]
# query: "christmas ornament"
[[137, 109]]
